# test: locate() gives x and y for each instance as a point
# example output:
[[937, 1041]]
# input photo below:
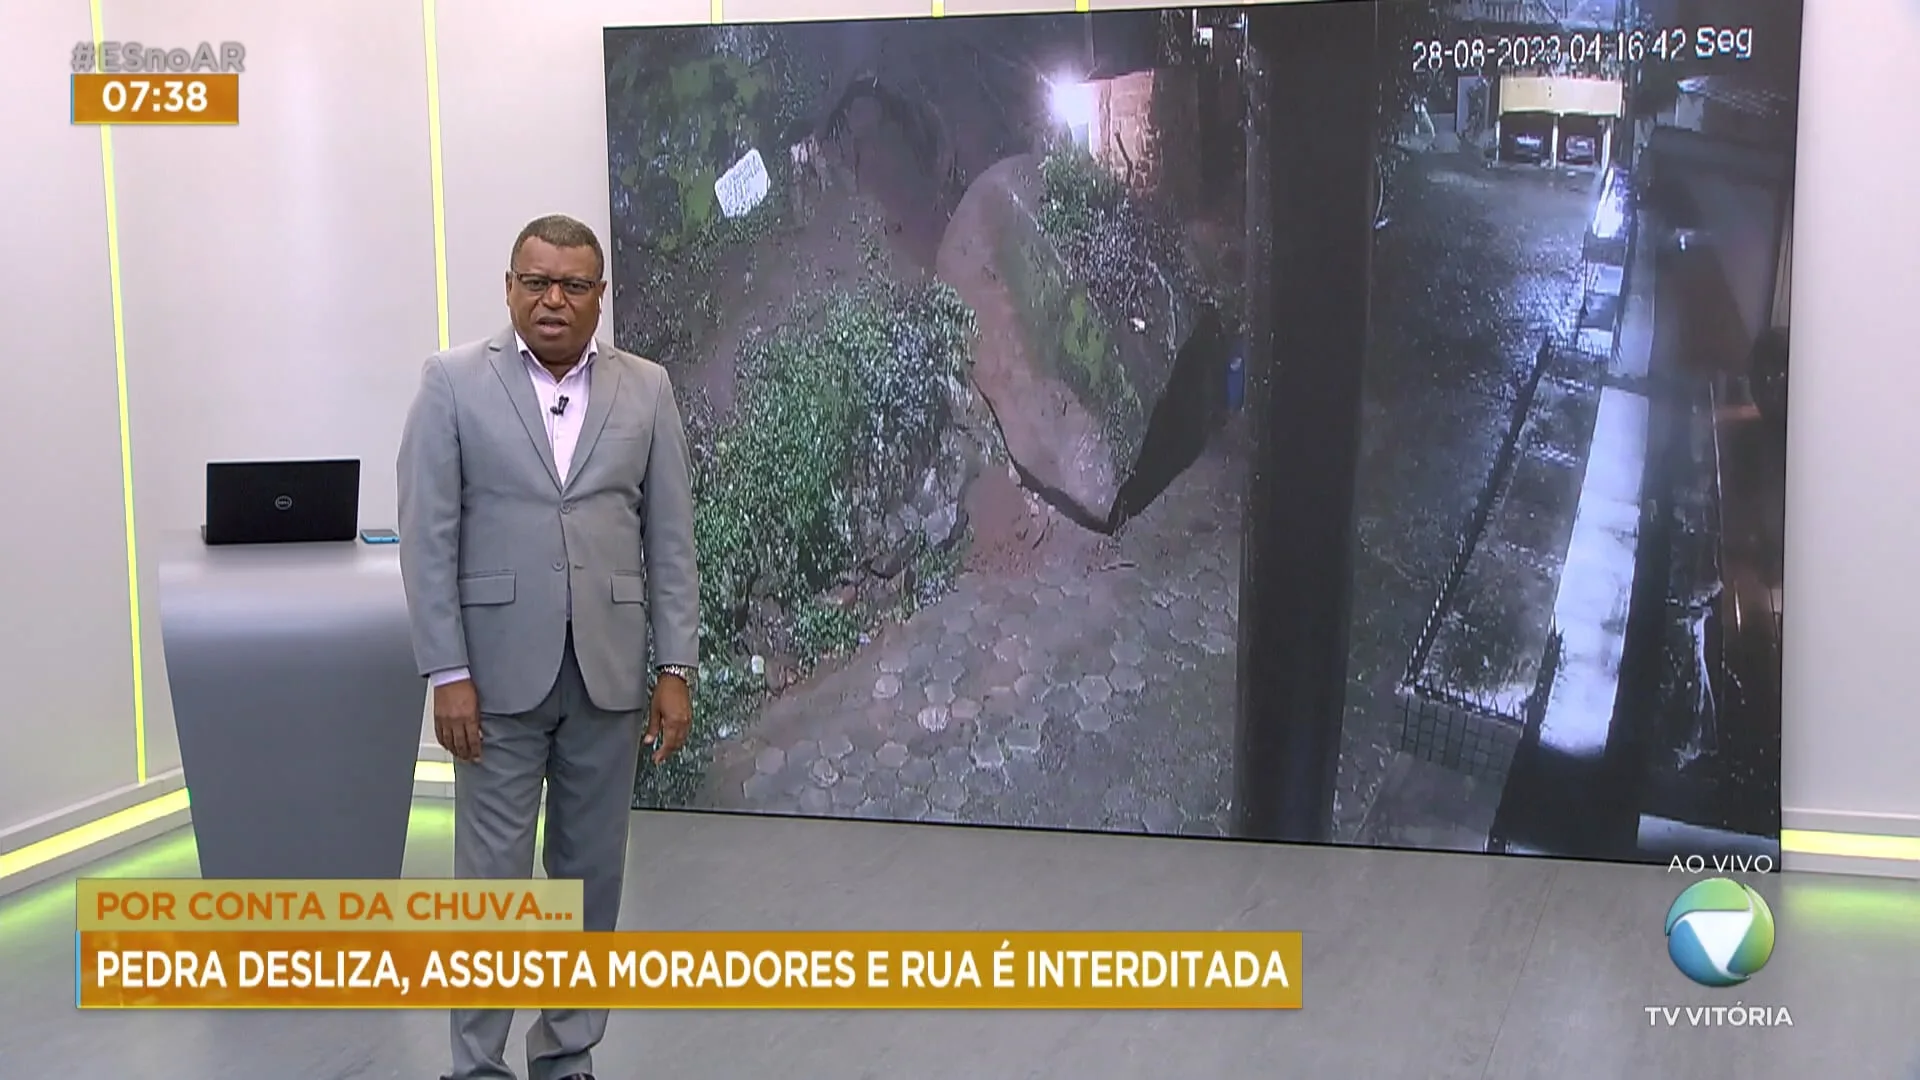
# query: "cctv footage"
[[954, 308], [1567, 602], [963, 315]]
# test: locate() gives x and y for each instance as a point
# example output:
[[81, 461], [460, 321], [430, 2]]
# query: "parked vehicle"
[[1527, 148]]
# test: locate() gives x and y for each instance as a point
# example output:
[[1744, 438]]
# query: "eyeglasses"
[[540, 284]]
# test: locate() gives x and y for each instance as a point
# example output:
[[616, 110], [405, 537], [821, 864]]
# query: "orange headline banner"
[[426, 969]]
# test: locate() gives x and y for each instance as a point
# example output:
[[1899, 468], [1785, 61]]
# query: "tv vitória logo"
[[1719, 932]]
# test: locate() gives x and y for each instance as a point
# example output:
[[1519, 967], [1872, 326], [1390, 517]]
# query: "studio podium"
[[296, 703]]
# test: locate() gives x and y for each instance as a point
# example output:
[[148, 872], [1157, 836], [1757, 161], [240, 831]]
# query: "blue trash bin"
[[1236, 379]]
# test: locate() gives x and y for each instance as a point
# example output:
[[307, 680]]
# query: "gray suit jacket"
[[491, 541]]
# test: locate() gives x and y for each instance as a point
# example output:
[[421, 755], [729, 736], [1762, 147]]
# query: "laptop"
[[282, 502]]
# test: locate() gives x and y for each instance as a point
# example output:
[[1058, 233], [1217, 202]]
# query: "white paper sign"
[[743, 186]]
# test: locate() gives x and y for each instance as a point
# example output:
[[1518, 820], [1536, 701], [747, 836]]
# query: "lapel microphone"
[[559, 407]]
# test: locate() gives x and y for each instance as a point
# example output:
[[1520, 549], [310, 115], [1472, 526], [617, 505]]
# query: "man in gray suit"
[[546, 526]]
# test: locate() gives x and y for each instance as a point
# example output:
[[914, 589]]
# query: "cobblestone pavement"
[[1094, 694]]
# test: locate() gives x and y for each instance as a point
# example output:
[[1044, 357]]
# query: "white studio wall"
[[1853, 522], [751, 11], [280, 276], [67, 737], [279, 291]]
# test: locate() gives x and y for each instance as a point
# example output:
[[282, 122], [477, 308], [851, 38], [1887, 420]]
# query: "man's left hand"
[[672, 717]]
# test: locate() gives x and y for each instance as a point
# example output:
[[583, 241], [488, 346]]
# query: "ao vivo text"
[[1721, 864]]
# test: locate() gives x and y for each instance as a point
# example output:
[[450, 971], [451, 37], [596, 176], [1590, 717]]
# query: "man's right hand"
[[456, 720]]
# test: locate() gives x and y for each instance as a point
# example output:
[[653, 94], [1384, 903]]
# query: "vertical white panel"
[[280, 274], [1853, 512], [66, 685]]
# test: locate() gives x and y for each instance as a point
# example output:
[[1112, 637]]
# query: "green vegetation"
[[834, 413], [934, 571], [705, 112], [1118, 244], [1077, 196], [683, 105], [837, 416], [1093, 366], [822, 628], [1061, 318], [699, 116]]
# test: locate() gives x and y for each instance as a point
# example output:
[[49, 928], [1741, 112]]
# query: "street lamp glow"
[[1072, 102]]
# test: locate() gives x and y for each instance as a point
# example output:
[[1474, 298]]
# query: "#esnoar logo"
[[1719, 932], [283, 502]]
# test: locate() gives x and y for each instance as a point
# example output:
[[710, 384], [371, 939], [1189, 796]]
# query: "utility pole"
[[1314, 90], [1256, 108]]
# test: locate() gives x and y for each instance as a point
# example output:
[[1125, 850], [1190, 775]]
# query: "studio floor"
[[1422, 966]]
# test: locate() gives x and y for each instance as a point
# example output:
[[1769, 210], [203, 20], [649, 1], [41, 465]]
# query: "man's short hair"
[[562, 232]]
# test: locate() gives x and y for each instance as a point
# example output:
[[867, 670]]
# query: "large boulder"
[[1070, 391]]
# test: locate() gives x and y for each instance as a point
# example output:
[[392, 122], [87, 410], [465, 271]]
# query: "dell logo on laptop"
[[283, 502]]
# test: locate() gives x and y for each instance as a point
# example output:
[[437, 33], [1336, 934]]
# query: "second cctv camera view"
[[960, 314]]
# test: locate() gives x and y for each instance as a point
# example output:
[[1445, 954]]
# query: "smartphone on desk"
[[379, 536]]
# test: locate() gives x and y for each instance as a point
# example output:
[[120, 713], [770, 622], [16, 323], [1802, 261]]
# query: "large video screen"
[[967, 317]]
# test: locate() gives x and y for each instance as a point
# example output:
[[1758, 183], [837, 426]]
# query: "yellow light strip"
[[714, 13], [93, 833], [105, 829], [430, 25], [1851, 845], [126, 438], [939, 9]]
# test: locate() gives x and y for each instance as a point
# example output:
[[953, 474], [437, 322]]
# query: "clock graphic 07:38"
[[167, 99]]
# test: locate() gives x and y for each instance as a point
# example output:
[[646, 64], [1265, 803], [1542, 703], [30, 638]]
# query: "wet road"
[[1476, 265]]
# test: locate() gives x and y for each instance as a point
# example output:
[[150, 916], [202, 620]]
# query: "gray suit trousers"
[[587, 758]]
